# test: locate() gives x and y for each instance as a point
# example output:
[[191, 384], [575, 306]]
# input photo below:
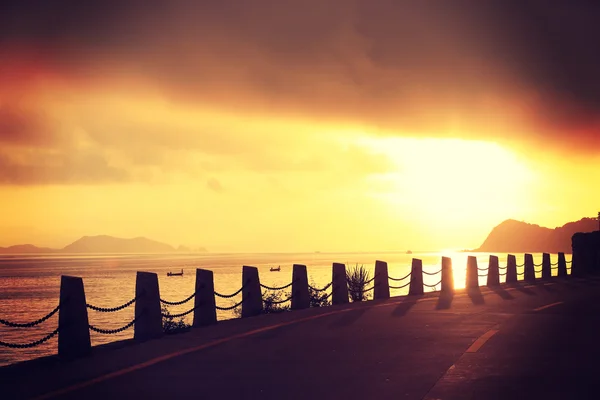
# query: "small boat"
[[409, 252], [175, 273], [276, 269]]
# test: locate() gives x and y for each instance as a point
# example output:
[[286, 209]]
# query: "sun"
[[451, 184]]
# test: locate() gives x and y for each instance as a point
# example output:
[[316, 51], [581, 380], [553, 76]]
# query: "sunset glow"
[[352, 140]]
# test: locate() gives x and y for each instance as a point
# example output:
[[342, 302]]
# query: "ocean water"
[[30, 284]]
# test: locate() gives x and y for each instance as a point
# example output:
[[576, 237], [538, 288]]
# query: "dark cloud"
[[37, 166], [494, 69]]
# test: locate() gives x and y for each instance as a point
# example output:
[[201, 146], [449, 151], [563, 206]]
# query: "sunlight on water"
[[29, 285]]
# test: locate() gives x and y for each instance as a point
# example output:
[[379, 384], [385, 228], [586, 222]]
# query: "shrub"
[[271, 299], [170, 326], [318, 298], [357, 278]]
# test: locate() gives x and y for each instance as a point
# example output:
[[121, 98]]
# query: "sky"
[[279, 125]]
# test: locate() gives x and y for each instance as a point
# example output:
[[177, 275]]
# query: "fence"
[[74, 329]]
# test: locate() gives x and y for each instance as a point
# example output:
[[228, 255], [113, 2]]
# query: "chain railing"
[[400, 287], [431, 273], [322, 289], [112, 331], [32, 344], [367, 290], [270, 301], [30, 324], [482, 275], [231, 307], [178, 303], [277, 288], [113, 309], [520, 265], [183, 314], [228, 296], [400, 279], [432, 286]]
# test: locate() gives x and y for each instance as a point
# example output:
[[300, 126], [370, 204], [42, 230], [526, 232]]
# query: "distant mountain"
[[110, 244], [521, 237], [26, 249]]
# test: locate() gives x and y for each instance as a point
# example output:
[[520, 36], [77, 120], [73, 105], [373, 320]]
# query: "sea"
[[30, 284]]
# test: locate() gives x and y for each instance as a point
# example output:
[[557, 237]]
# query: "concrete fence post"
[[511, 269], [74, 331], [562, 265], [300, 295], [382, 283], [546, 267], [148, 318], [205, 311], [416, 278], [472, 279], [252, 301], [447, 276], [493, 278], [339, 285], [529, 268]]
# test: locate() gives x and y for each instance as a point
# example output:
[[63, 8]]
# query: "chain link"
[[277, 288], [230, 308], [519, 266], [277, 301], [400, 279], [228, 296], [368, 290], [499, 267], [29, 324], [503, 273], [178, 303], [321, 290], [102, 309], [569, 262], [521, 273], [32, 344], [431, 273], [400, 287], [112, 331], [482, 275], [482, 269], [183, 314], [538, 265], [432, 286]]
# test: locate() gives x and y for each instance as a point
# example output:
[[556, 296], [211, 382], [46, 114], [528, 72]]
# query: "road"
[[538, 341]]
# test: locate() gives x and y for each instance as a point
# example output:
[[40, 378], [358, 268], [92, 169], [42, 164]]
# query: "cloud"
[[503, 71]]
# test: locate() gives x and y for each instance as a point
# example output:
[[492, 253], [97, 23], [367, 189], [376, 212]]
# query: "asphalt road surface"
[[523, 342]]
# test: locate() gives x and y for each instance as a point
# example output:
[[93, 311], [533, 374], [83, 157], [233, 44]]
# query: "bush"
[[270, 303], [318, 298], [271, 299], [357, 278], [170, 326]]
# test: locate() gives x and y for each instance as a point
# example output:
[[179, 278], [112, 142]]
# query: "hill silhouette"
[[520, 237], [103, 244], [110, 244], [26, 249]]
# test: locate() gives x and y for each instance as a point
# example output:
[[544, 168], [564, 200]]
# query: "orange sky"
[[251, 132]]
